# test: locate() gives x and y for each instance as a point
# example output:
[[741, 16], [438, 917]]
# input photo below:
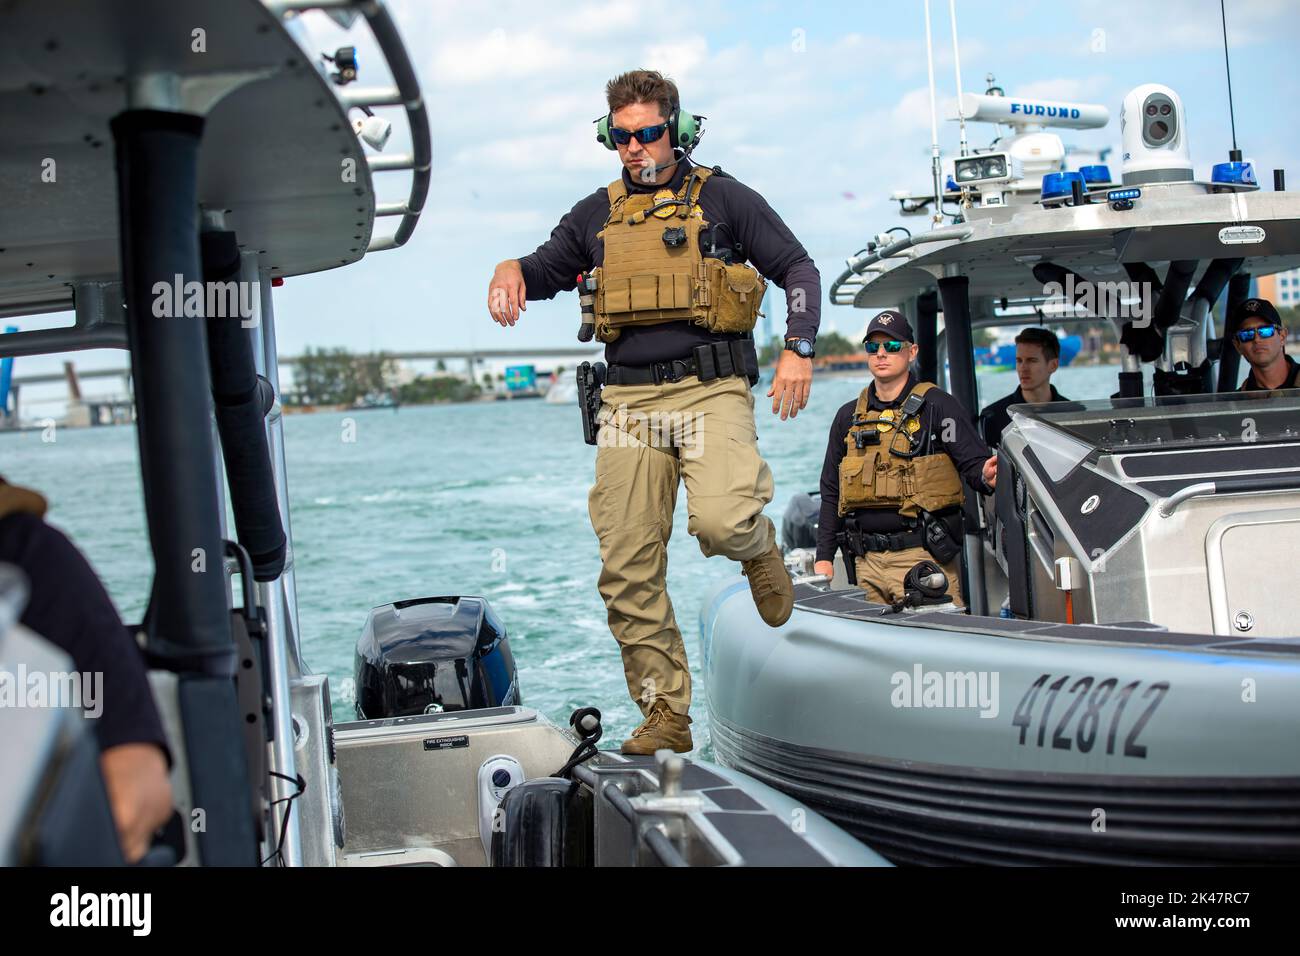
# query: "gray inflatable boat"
[[1139, 721], [942, 737]]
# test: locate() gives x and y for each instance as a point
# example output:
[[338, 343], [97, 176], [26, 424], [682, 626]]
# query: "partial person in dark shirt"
[[1038, 355], [892, 536], [69, 607], [1261, 340]]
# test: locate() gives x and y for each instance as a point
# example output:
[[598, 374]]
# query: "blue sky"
[[821, 107]]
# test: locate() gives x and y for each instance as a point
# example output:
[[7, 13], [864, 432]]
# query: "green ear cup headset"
[[683, 129]]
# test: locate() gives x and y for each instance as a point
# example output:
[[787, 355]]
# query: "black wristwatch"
[[800, 347]]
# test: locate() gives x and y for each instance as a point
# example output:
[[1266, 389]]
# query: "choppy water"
[[486, 499]]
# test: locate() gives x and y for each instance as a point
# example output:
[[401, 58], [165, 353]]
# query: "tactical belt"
[[707, 362], [859, 543]]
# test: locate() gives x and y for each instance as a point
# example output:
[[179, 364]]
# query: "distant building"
[[1281, 288]]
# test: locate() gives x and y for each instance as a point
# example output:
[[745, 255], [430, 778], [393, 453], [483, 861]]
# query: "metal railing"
[[858, 267], [406, 93]]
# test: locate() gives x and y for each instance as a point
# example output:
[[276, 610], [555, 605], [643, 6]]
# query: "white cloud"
[[521, 155], [494, 220], [500, 54], [1073, 89], [912, 112], [679, 59], [603, 19]]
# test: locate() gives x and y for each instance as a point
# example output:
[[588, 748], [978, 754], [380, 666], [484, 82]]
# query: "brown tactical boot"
[[770, 585], [661, 729]]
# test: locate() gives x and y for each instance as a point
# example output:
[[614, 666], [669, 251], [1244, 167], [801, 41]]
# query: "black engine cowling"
[[433, 654], [799, 523]]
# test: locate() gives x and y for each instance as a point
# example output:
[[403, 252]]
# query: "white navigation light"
[[374, 130], [1153, 129], [1018, 111], [985, 168]]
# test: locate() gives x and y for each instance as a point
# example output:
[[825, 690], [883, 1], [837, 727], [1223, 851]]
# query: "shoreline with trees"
[[336, 378]]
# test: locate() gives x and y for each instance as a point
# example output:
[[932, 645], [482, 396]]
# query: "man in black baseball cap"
[[1261, 340], [891, 487]]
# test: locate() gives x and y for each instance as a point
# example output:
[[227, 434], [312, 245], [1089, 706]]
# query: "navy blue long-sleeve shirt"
[[69, 607], [741, 218]]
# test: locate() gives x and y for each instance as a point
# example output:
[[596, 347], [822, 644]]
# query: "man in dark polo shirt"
[[1038, 355], [933, 447], [1261, 340]]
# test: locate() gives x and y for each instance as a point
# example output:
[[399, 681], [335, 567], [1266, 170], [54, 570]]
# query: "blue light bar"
[[1095, 175], [1236, 174], [1056, 185], [1115, 194]]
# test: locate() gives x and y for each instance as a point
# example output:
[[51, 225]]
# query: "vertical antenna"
[[935, 165], [1235, 155], [956, 61]]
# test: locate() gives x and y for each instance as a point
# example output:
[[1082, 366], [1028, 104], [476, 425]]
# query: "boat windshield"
[[1224, 419]]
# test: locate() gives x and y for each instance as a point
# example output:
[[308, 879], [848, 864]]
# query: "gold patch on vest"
[[887, 418], [664, 195]]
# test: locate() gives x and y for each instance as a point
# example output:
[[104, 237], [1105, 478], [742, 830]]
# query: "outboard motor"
[[799, 523], [433, 654]]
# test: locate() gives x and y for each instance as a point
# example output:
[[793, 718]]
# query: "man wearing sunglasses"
[[668, 246], [891, 482], [1261, 340]]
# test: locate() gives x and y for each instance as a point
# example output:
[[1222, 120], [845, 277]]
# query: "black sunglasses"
[[893, 345], [650, 134], [1264, 332]]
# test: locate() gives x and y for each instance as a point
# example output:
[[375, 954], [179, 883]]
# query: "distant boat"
[[563, 391], [1004, 356], [375, 400]]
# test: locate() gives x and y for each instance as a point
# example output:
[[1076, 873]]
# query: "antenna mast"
[[935, 166], [956, 61], [1235, 155]]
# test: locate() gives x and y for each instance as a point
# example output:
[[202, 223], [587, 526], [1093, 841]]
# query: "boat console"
[[1171, 510]]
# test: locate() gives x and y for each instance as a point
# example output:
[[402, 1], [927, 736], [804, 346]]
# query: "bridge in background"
[[471, 357]]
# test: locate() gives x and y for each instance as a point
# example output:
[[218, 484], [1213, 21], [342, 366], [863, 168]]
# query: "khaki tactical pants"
[[881, 573], [650, 437]]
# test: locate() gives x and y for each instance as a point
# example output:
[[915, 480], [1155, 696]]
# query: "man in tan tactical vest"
[[891, 488], [663, 254]]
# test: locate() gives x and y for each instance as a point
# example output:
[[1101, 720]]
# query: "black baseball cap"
[[1256, 309], [892, 324]]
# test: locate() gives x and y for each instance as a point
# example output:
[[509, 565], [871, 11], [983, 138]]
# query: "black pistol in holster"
[[591, 379]]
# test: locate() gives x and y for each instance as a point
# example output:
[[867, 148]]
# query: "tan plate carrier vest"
[[876, 477], [644, 280]]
